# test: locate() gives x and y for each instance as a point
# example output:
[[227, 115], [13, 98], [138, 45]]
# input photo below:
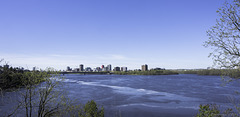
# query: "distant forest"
[[233, 73]]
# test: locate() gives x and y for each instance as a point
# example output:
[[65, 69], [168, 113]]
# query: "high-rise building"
[[102, 66], [68, 68], [34, 68], [88, 69], [145, 67], [98, 69], [81, 68], [76, 70], [105, 69], [124, 69], [116, 69], [109, 67]]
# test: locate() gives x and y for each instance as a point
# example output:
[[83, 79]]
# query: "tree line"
[[38, 97], [150, 72], [233, 73]]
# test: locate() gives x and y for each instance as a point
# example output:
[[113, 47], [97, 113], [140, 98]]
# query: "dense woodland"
[[15, 77]]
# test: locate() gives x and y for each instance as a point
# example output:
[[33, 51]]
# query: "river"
[[148, 96]]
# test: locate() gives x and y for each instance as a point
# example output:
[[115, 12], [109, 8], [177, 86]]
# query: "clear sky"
[[60, 33]]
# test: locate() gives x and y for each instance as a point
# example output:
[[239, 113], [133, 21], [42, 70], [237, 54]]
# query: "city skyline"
[[167, 34], [108, 67]]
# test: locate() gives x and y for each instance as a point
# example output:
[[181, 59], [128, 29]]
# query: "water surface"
[[155, 96]]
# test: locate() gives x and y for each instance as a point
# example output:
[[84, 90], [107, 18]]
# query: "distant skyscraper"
[[98, 69], [109, 67], [102, 66], [105, 69], [116, 69], [123, 68], [88, 69], [68, 68], [76, 70], [81, 68], [145, 67], [34, 68]]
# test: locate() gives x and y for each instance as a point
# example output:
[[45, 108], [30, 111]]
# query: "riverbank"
[[233, 73], [150, 72]]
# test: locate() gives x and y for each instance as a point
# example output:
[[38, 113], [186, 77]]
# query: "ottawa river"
[[147, 96]]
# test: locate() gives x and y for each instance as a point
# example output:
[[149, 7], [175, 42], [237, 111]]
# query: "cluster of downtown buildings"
[[103, 68], [81, 68], [97, 69]]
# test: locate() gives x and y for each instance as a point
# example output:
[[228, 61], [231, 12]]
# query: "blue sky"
[[60, 33]]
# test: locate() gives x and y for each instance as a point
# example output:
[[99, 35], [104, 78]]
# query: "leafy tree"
[[208, 111], [224, 37], [91, 110], [212, 110], [38, 96]]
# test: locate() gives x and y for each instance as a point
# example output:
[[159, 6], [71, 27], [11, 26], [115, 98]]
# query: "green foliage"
[[150, 72], [233, 73], [224, 39], [39, 97], [224, 36], [212, 110], [208, 111], [91, 110], [217, 72], [187, 72], [16, 78]]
